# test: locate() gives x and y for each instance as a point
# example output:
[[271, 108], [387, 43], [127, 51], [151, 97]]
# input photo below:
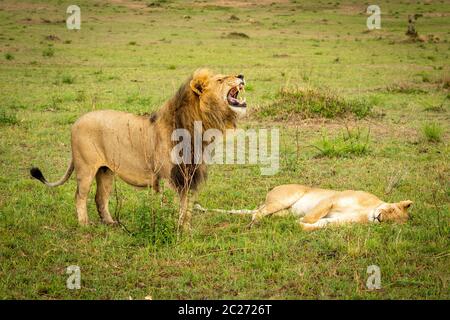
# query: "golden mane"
[[186, 106], [195, 100]]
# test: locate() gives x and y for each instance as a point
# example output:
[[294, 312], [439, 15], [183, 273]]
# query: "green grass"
[[347, 143], [156, 222], [48, 52], [8, 118], [68, 79], [360, 79], [443, 80], [313, 102], [432, 132]]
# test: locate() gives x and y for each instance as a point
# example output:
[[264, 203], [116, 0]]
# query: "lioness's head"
[[397, 212], [218, 92]]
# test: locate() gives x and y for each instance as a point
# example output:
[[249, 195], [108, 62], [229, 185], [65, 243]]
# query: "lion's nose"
[[241, 77]]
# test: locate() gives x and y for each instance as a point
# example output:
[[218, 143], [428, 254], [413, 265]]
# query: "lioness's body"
[[138, 148], [317, 207]]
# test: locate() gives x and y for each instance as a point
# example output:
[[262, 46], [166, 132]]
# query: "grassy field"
[[132, 55]]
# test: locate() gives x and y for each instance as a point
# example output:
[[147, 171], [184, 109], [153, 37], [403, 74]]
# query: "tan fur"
[[137, 148], [317, 208], [320, 207]]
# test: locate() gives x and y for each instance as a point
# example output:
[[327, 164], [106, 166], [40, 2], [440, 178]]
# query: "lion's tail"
[[242, 211], [37, 174]]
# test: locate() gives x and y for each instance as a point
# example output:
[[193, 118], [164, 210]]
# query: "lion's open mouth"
[[233, 99]]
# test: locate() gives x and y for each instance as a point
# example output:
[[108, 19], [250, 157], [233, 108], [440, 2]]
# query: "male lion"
[[318, 208], [138, 148]]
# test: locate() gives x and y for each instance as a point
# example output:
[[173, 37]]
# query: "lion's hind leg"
[[320, 211], [84, 181], [105, 179], [279, 201], [268, 210]]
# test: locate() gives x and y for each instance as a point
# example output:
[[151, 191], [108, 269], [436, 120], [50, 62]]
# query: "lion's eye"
[[220, 80]]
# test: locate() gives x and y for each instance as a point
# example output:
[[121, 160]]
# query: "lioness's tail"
[[37, 174], [242, 211]]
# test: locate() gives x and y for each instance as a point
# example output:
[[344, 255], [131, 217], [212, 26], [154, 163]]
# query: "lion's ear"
[[405, 204], [200, 80]]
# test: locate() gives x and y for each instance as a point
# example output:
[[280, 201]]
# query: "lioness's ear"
[[200, 80], [405, 204]]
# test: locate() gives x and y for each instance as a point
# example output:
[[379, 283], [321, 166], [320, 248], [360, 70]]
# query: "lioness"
[[318, 208], [138, 148]]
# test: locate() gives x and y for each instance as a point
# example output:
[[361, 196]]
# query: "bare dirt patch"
[[352, 9], [241, 4], [24, 6], [130, 4]]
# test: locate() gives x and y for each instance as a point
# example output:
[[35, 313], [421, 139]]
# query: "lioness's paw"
[[306, 226]]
